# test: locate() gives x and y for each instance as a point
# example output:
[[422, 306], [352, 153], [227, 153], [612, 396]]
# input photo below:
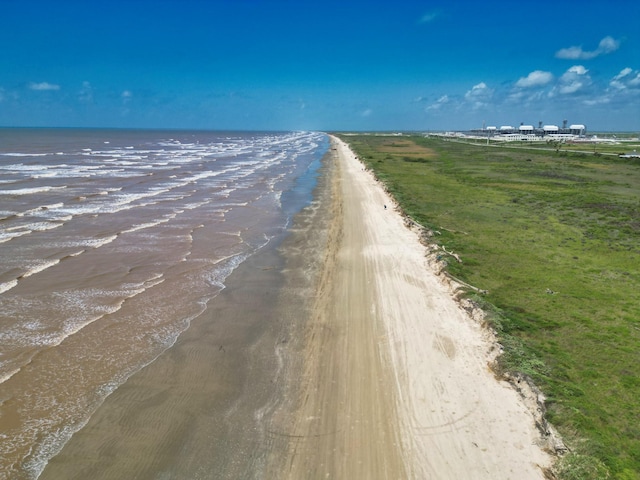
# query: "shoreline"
[[395, 379], [206, 404], [338, 352]]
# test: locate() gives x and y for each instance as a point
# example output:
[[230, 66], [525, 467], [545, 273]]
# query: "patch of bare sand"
[[395, 380], [406, 147]]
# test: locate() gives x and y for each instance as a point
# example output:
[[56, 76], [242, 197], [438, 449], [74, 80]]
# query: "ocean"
[[112, 243]]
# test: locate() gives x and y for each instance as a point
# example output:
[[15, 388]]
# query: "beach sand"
[[340, 354], [395, 381]]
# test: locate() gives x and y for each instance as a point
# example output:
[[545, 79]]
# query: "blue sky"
[[319, 65]]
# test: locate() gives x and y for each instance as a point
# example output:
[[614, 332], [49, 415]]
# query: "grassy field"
[[554, 239], [624, 146]]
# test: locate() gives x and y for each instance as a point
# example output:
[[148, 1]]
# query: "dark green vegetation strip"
[[554, 237]]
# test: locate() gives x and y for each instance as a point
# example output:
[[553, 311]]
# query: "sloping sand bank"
[[395, 380]]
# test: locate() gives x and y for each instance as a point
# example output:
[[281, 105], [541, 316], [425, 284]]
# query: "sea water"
[[111, 243]]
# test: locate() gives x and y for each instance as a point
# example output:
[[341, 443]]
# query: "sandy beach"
[[395, 380], [339, 354]]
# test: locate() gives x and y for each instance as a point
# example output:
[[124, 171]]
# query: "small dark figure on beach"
[[385, 207]]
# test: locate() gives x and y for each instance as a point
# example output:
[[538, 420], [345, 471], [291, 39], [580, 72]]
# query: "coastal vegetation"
[[550, 239]]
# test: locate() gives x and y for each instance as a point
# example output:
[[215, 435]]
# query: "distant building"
[[530, 133], [579, 130], [633, 154]]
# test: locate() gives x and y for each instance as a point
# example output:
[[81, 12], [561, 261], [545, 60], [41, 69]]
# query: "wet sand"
[[338, 355], [193, 412]]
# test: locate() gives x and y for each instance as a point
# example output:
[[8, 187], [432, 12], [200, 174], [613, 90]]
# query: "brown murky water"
[[112, 243]]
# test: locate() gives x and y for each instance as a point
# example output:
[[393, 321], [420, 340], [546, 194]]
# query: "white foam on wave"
[[141, 286], [43, 226], [124, 293], [41, 209], [18, 154], [129, 163], [29, 190], [69, 211], [79, 308], [96, 242], [68, 171], [277, 196], [22, 230], [40, 267], [54, 437], [5, 237], [143, 226], [224, 267], [126, 201], [193, 206], [6, 376], [6, 286], [20, 167]]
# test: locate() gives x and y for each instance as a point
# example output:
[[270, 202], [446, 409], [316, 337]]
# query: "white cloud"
[[429, 17], [536, 78], [623, 73], [126, 96], [85, 94], [574, 80], [577, 70], [591, 102], [478, 90], [367, 112], [43, 86], [479, 94], [627, 78], [571, 53], [443, 100], [607, 45], [526, 97]]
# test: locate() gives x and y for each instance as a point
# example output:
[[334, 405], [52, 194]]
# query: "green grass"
[[554, 237]]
